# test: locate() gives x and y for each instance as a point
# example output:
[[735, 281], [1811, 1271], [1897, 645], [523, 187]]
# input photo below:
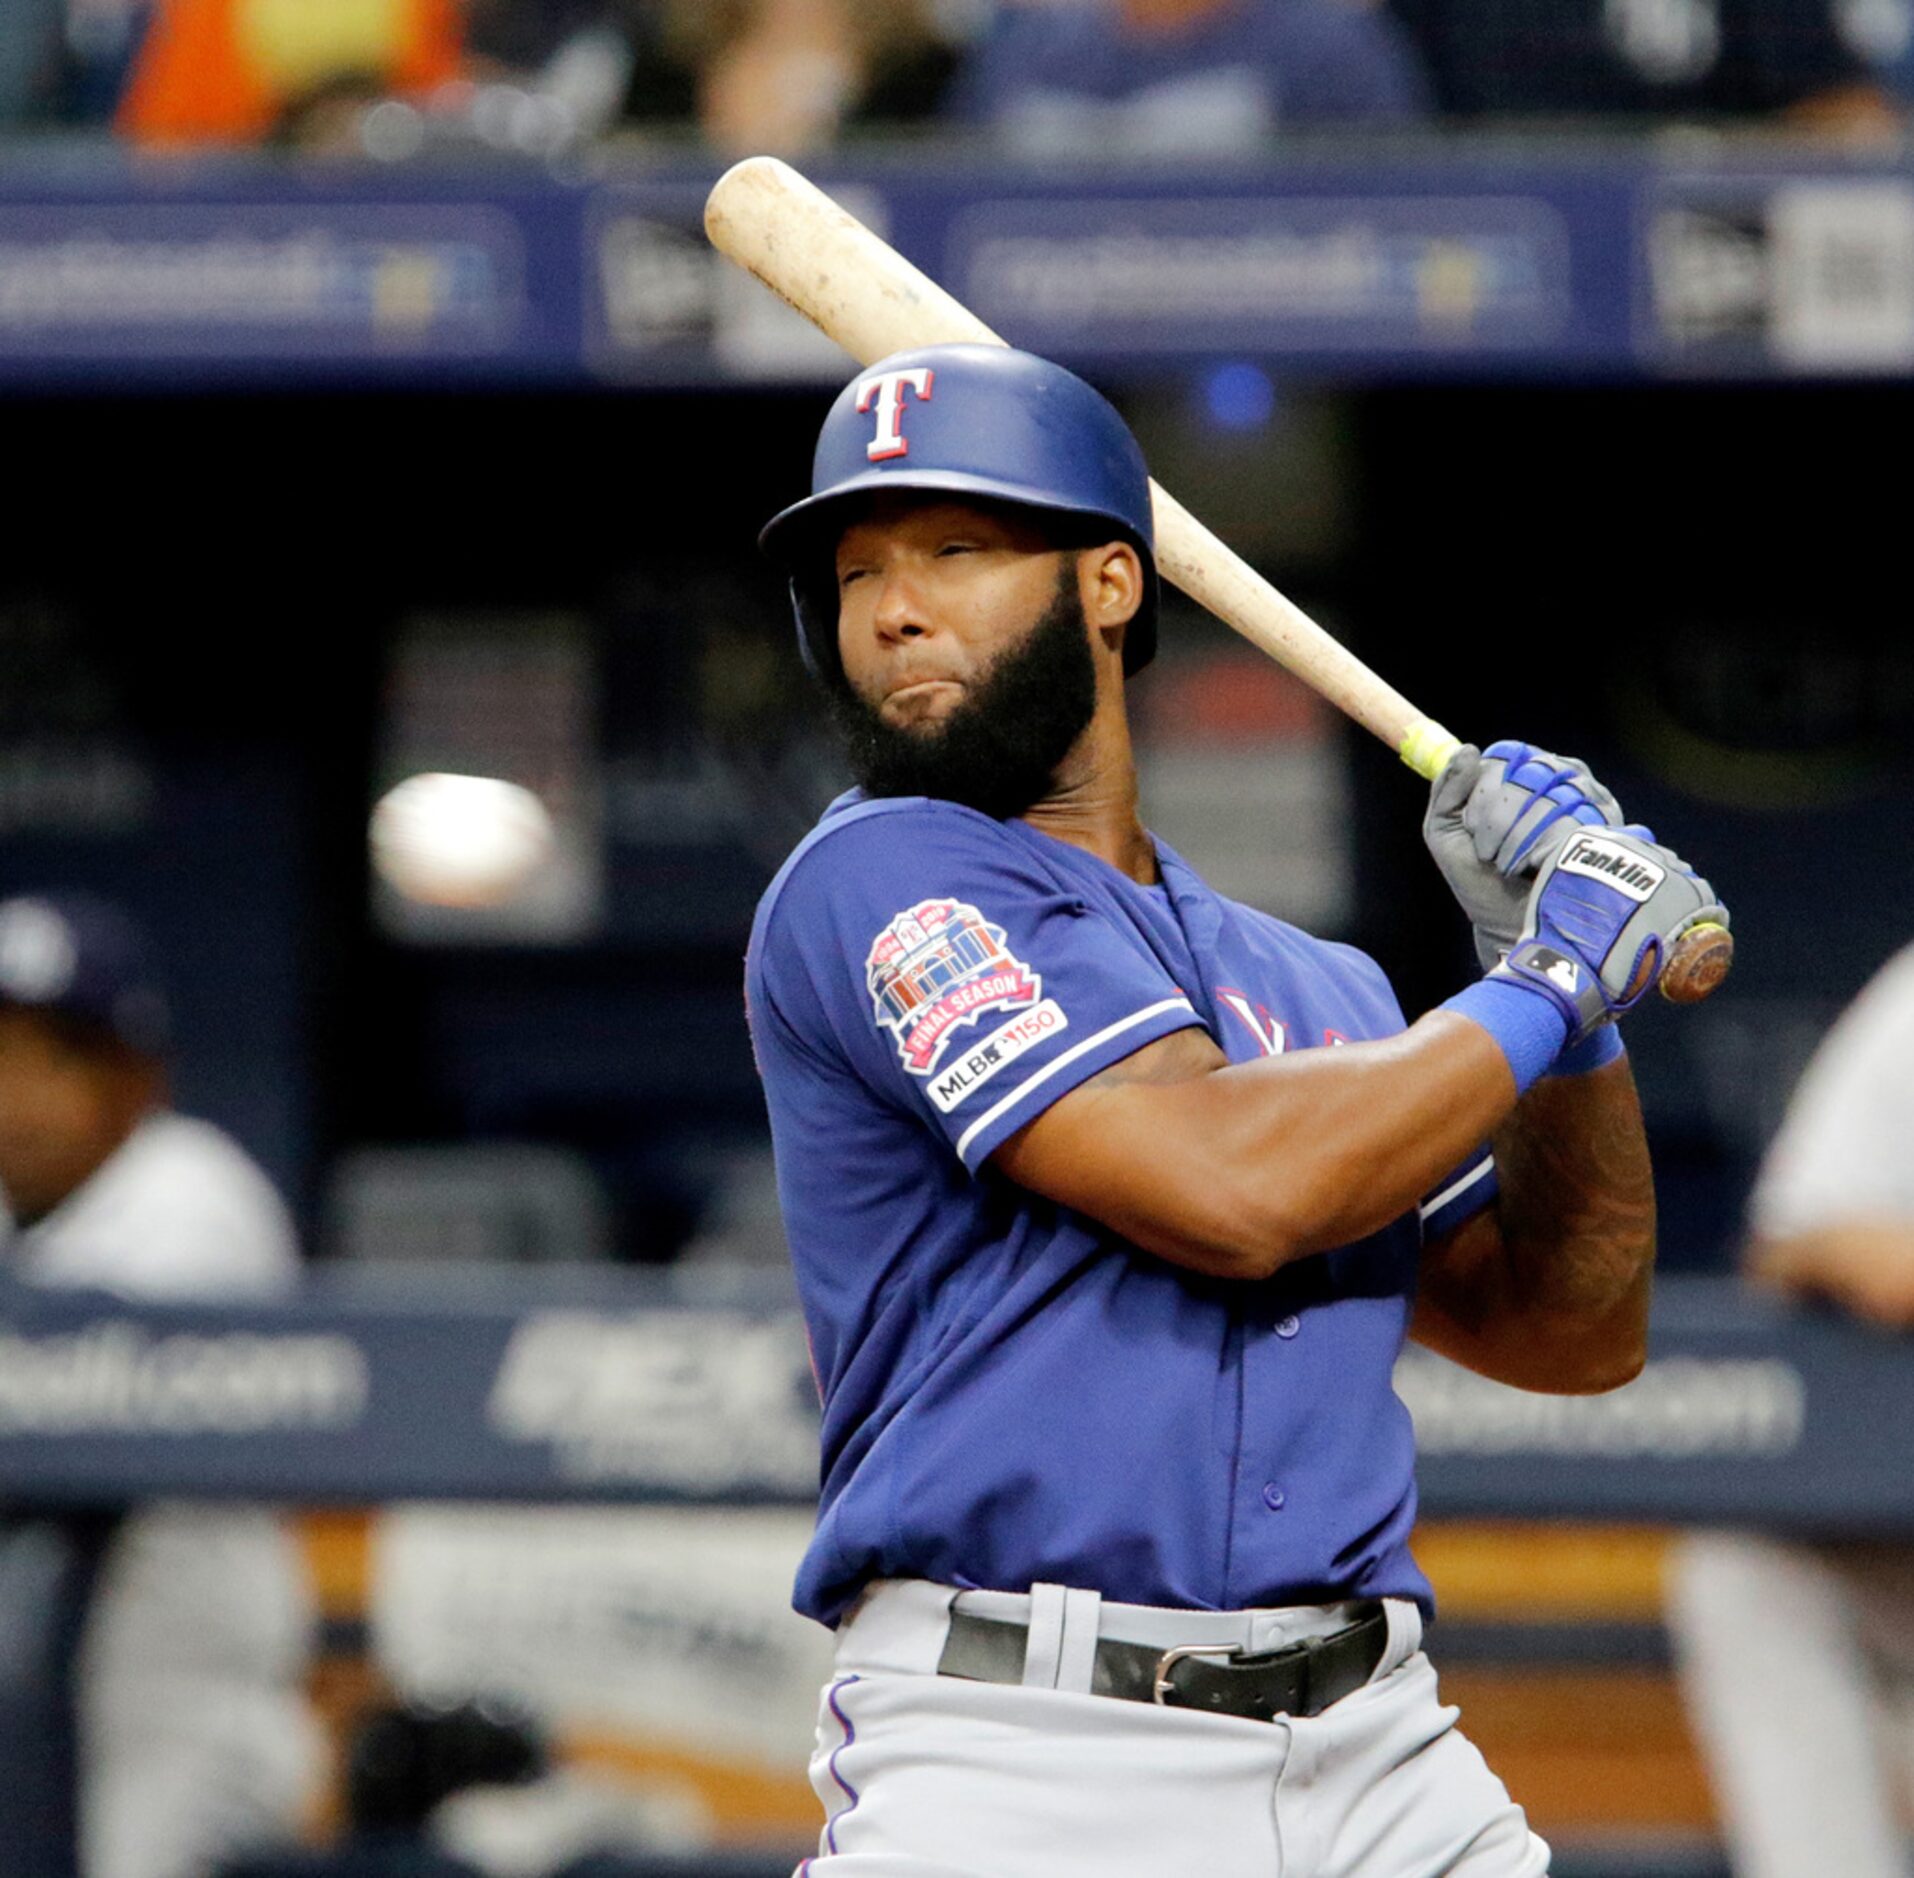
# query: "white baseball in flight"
[[459, 841]]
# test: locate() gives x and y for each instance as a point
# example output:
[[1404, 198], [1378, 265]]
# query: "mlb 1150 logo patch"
[[939, 966]]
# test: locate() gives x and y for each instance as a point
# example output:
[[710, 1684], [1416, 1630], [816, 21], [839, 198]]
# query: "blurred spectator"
[[1794, 1655], [540, 77], [103, 38], [605, 59], [30, 50], [65, 62], [194, 1737], [1185, 77], [405, 1762], [1651, 59], [788, 75], [234, 71], [1881, 33]]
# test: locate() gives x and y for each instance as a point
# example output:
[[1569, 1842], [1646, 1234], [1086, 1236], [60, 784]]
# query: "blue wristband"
[[1595, 1051], [1529, 1026]]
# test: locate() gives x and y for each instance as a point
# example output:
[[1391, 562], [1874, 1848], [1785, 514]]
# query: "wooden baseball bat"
[[865, 295]]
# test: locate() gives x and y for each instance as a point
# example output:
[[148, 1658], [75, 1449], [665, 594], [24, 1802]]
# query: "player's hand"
[[1494, 816], [1602, 920], [1865, 1266]]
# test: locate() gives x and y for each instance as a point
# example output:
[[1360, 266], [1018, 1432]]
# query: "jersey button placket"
[[1274, 1498]]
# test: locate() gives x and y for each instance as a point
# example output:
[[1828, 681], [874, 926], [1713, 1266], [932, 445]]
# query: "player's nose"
[[901, 609]]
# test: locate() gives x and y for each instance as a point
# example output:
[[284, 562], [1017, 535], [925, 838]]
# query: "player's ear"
[[1111, 578]]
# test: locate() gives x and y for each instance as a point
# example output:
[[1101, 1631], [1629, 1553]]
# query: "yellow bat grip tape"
[[1427, 748]]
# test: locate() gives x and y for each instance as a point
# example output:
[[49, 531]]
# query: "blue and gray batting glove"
[[1602, 920], [1494, 816]]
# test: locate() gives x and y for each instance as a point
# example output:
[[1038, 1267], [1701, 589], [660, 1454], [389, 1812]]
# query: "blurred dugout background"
[[373, 408]]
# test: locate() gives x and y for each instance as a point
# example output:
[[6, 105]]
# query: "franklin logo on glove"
[[1624, 869]]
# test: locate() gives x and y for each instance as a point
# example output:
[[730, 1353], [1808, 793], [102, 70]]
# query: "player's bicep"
[[958, 977], [1126, 1146]]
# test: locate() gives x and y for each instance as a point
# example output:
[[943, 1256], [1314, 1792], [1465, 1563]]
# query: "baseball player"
[[194, 1735], [1810, 1750], [1111, 1201]]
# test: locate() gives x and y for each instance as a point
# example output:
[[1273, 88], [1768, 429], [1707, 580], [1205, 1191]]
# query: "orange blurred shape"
[[747, 1803], [338, 1550], [1526, 1572], [1587, 1751], [1231, 698], [224, 71]]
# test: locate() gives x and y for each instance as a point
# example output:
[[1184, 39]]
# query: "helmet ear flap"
[[816, 608]]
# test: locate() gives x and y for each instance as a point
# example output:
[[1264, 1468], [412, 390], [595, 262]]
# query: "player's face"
[[929, 595], [63, 1109], [951, 692]]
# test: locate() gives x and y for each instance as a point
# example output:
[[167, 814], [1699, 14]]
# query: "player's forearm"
[[1361, 1134], [1249, 1166], [1577, 1216]]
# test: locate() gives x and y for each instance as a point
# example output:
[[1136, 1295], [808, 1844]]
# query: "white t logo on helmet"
[[888, 389]]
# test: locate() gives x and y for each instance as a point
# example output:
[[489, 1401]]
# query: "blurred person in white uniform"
[[1798, 1659], [194, 1735]]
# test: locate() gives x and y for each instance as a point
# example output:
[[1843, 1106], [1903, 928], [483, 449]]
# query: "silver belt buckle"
[[1161, 1687]]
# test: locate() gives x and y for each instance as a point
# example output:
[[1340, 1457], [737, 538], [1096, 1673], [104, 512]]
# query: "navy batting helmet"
[[969, 421], [71, 955]]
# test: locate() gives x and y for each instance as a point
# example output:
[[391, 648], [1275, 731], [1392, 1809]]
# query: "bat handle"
[[1426, 747]]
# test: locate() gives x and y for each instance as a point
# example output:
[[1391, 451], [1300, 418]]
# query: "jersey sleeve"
[[1467, 1191], [930, 952]]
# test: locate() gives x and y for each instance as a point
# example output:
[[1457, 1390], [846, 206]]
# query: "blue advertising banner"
[[1545, 259], [259, 279], [266, 273], [631, 1391], [358, 1393], [1337, 274]]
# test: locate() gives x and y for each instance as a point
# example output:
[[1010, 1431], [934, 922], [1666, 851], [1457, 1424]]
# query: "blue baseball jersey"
[[1012, 1392]]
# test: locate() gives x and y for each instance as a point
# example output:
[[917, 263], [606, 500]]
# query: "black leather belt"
[[1300, 1679]]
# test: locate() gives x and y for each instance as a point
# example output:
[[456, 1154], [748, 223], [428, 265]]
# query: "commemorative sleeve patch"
[[935, 970], [969, 1069]]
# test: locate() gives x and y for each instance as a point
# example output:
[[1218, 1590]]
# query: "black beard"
[[999, 750]]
